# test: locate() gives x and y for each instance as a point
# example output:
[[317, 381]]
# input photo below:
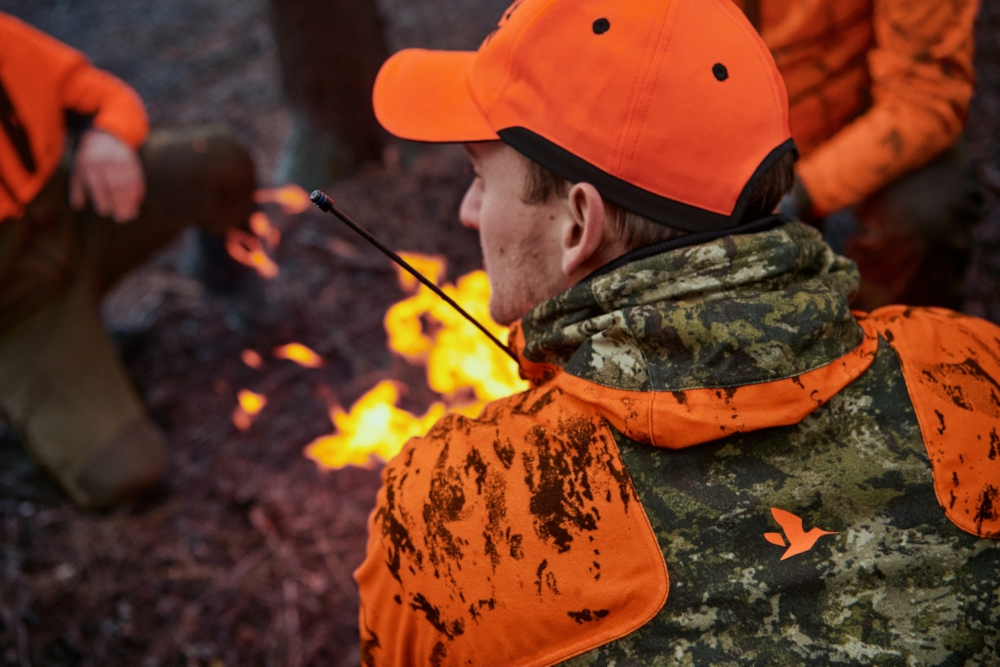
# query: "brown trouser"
[[62, 385], [912, 240]]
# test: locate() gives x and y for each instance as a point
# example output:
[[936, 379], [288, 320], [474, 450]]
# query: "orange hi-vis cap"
[[673, 109]]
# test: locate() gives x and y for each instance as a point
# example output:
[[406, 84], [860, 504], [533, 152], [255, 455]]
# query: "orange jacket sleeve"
[[44, 79], [117, 108], [922, 79]]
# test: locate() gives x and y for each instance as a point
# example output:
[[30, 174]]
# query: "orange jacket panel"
[[951, 362], [680, 419], [44, 79], [497, 541], [877, 88], [544, 578]]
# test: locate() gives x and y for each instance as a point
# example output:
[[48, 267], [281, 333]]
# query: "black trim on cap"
[[659, 209]]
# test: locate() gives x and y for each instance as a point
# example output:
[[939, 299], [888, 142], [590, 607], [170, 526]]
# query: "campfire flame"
[[431, 266], [458, 356], [300, 354], [250, 405], [292, 199], [460, 361], [261, 225], [373, 429], [248, 250]]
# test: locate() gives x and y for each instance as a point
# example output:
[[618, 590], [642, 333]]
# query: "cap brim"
[[424, 95]]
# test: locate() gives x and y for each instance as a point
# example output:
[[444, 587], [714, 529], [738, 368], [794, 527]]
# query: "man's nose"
[[468, 212]]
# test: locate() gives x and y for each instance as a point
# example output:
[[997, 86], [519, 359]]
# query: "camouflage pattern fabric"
[[740, 310], [817, 543], [898, 584]]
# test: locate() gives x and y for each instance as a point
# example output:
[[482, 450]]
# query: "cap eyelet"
[[601, 26], [720, 72]]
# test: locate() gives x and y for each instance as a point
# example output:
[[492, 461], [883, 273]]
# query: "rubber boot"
[[63, 388]]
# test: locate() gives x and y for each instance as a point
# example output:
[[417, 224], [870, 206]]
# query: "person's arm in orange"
[[106, 169], [922, 80], [116, 108]]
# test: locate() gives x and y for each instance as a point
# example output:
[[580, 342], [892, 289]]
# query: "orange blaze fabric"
[[951, 363], [491, 527], [441, 586], [44, 78], [876, 89], [545, 69], [676, 420]]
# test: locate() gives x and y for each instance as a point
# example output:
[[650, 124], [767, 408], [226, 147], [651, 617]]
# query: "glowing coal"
[[250, 405], [300, 354], [252, 359]]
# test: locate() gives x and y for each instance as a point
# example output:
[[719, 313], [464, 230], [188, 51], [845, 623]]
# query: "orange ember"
[[250, 402], [261, 225], [247, 249], [250, 405], [291, 198], [300, 354], [374, 429], [252, 359]]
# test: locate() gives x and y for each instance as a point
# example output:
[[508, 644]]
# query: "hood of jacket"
[[741, 333]]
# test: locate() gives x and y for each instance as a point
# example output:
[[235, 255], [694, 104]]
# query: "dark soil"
[[244, 557]]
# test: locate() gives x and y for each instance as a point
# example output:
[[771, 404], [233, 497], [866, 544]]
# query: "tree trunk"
[[330, 52]]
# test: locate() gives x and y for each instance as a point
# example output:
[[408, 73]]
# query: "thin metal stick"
[[326, 204]]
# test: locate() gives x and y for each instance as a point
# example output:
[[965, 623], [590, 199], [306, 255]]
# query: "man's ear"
[[584, 231]]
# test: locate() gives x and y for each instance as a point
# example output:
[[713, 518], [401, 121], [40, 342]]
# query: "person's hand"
[[107, 172]]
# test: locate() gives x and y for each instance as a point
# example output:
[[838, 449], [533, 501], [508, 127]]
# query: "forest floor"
[[245, 555]]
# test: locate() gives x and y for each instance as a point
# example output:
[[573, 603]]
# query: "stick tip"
[[320, 199]]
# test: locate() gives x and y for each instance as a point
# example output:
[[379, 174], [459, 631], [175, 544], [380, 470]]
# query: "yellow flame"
[[458, 355], [373, 429], [461, 356], [247, 250], [291, 198], [431, 266], [461, 362], [252, 359], [250, 405], [261, 225], [405, 328], [300, 354]]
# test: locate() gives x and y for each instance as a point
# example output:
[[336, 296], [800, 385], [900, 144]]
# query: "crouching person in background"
[[86, 195], [879, 93]]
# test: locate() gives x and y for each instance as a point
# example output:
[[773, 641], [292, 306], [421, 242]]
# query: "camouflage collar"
[[739, 310], [688, 240]]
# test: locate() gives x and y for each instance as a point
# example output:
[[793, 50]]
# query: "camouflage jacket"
[[718, 464]]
